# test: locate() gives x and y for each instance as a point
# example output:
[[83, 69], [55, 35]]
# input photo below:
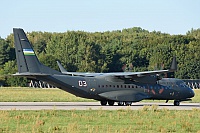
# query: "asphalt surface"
[[90, 106]]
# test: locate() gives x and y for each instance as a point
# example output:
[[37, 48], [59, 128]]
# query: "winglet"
[[173, 65], [62, 69]]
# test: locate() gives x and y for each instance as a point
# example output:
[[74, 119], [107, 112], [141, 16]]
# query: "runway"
[[90, 106]]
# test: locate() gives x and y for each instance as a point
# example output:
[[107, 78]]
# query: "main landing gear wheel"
[[120, 103], [111, 103], [176, 103], [128, 103], [103, 103]]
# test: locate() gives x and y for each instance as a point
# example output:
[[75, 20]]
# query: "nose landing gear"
[[176, 103]]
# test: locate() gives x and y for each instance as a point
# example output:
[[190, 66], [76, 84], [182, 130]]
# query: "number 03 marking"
[[82, 83]]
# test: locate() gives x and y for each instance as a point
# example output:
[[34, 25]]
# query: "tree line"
[[108, 51]]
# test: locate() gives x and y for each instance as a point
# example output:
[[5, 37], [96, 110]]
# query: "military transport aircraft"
[[108, 88]]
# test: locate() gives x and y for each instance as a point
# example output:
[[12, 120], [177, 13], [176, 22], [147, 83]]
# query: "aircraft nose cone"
[[192, 93], [188, 93]]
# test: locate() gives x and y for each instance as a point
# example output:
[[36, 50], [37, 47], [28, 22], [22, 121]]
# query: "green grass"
[[148, 119], [24, 94], [18, 94]]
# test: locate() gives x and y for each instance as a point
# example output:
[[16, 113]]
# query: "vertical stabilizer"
[[27, 60]]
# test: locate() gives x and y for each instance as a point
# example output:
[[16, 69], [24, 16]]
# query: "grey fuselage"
[[91, 87]]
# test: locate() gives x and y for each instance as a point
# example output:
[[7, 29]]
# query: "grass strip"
[[148, 119]]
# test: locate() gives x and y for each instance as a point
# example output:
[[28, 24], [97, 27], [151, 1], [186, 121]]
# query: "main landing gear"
[[120, 103], [111, 103], [104, 103]]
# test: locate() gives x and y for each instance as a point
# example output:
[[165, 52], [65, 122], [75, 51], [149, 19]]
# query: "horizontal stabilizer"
[[30, 74], [62, 69]]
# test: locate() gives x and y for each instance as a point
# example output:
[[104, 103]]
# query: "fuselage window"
[[121, 86], [102, 86], [160, 87], [124, 86], [129, 86], [117, 86], [110, 86], [155, 87], [169, 87]]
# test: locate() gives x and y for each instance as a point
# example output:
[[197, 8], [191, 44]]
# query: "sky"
[[167, 16]]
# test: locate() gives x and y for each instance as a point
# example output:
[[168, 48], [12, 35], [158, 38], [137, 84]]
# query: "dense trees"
[[109, 51]]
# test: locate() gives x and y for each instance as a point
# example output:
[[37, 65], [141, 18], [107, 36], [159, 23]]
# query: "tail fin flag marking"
[[28, 52]]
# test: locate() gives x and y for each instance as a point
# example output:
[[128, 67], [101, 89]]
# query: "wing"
[[145, 75], [139, 74]]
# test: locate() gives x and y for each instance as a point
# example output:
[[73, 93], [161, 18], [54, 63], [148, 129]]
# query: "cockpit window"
[[181, 84]]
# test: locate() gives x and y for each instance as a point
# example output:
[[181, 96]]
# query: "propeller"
[[159, 67]]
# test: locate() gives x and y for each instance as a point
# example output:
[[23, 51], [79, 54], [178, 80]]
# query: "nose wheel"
[[176, 103]]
